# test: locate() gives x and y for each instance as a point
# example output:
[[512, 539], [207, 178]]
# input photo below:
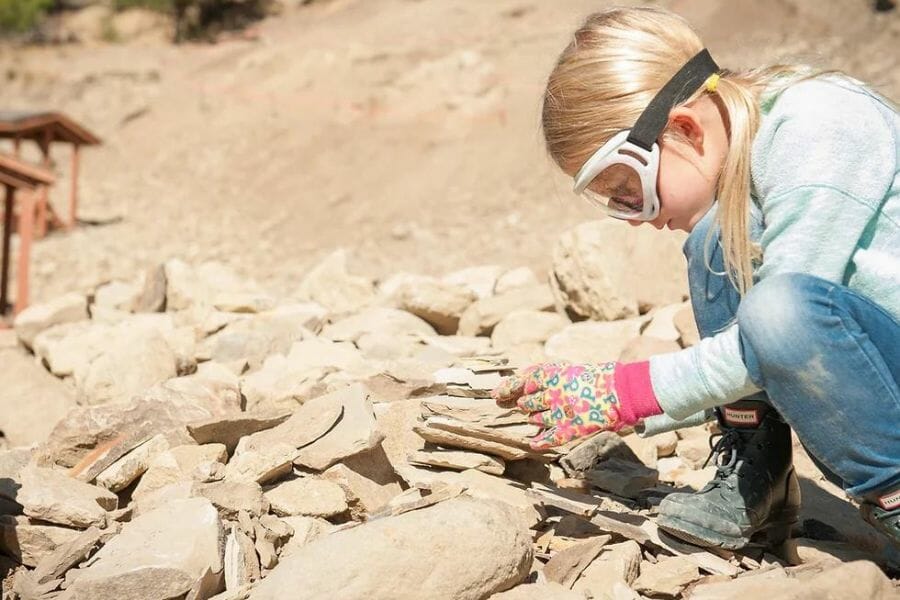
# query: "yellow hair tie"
[[711, 82]]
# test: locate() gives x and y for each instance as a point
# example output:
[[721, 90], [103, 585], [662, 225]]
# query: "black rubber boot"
[[754, 491], [882, 511]]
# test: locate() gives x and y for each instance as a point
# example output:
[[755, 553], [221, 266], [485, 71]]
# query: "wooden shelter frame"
[[24, 183], [45, 129]]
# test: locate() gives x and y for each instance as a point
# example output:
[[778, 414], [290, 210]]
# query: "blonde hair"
[[618, 60]]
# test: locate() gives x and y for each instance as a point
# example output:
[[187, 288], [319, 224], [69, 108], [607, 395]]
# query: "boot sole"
[[776, 532]]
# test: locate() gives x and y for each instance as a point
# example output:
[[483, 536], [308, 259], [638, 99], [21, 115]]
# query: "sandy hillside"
[[404, 130]]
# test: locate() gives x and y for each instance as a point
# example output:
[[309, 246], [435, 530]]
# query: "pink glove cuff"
[[635, 391]]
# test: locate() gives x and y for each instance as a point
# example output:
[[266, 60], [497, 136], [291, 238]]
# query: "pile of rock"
[[342, 443]]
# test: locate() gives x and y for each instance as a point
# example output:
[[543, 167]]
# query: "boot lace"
[[724, 449]]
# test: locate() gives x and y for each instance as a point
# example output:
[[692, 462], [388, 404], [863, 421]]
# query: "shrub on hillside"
[[199, 19], [21, 15]]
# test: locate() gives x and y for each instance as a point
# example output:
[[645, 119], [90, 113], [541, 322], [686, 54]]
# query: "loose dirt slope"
[[405, 130]]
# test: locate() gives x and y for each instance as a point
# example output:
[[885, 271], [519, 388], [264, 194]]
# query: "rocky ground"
[[186, 434], [260, 368]]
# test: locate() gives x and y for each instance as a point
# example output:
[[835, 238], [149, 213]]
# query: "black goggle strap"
[[685, 82]]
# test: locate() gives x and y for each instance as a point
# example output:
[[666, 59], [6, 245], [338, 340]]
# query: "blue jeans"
[[827, 358]]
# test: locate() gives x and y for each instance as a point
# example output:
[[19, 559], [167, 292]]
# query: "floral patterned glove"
[[572, 401]]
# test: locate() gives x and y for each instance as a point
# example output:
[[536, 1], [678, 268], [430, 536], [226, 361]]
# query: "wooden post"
[[7, 234], [16, 141], [26, 234], [44, 198], [73, 197]]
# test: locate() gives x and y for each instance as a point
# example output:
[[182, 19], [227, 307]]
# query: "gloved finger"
[[534, 402], [526, 381], [508, 389], [548, 438], [546, 418]]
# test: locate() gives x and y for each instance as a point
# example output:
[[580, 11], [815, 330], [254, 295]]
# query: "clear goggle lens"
[[617, 190]]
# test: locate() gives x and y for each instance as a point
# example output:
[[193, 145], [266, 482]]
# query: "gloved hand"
[[573, 401]]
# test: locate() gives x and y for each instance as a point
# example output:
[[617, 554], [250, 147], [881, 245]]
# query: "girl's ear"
[[684, 122]]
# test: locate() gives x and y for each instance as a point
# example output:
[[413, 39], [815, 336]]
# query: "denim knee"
[[776, 320]]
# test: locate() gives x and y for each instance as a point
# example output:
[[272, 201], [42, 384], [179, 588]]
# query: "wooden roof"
[[33, 125], [20, 174]]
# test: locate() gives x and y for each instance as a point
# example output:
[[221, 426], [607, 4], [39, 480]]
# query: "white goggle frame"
[[618, 150]]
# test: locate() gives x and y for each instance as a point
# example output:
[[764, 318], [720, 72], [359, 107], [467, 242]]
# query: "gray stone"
[[479, 411], [54, 497], [592, 341], [514, 279], [166, 550], [687, 327], [667, 577], [253, 339], [829, 581], [118, 295], [307, 496], [229, 430], [480, 280], [243, 302], [606, 272], [231, 497], [304, 530], [618, 564], [29, 542], [131, 361], [38, 317], [486, 548], [212, 387], [356, 431], [662, 323], [33, 400], [178, 464], [643, 347], [151, 296], [458, 460], [567, 565], [260, 465], [388, 321], [539, 591], [125, 470], [67, 555], [439, 303], [482, 316], [328, 283], [459, 345], [284, 382], [241, 562], [368, 480], [188, 285], [623, 478], [527, 327]]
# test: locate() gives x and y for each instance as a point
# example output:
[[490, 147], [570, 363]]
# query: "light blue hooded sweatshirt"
[[824, 171]]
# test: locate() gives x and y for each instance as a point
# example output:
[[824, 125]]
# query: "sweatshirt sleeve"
[[823, 162]]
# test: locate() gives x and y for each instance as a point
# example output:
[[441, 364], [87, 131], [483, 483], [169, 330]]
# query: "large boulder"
[[484, 548], [605, 270]]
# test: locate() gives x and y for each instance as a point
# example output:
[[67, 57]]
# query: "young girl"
[[787, 181]]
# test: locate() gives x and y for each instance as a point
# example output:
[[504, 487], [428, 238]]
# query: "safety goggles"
[[620, 177]]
